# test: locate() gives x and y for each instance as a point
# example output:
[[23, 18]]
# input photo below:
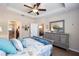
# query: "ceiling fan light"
[[35, 10]]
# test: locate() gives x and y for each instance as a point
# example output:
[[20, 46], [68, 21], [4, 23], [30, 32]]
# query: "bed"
[[34, 46]]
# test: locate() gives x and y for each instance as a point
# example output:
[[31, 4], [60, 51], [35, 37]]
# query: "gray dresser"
[[60, 39]]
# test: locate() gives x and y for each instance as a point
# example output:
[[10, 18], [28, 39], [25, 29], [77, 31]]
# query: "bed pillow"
[[26, 42], [17, 44], [42, 40], [30, 42], [6, 46], [2, 53]]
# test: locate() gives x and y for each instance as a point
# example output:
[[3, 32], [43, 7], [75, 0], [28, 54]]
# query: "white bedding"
[[34, 48], [31, 42]]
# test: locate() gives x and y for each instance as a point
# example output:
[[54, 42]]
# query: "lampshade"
[[0, 29]]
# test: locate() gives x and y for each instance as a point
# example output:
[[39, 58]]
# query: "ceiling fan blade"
[[29, 11], [34, 5], [28, 6], [37, 13], [42, 9], [37, 4]]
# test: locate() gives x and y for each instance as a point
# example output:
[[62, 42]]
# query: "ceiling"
[[50, 8]]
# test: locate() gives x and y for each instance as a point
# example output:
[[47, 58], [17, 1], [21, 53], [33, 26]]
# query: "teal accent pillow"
[[7, 46], [17, 44]]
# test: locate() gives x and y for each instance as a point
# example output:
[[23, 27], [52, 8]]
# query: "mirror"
[[57, 26]]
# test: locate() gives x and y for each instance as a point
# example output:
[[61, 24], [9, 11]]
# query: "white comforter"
[[34, 48]]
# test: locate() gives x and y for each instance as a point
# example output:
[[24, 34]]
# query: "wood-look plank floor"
[[62, 52]]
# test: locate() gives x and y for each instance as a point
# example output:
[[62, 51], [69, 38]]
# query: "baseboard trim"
[[73, 50]]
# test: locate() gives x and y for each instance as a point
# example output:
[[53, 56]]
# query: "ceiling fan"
[[35, 8]]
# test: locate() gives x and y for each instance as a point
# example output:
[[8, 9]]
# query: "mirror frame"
[[63, 24]]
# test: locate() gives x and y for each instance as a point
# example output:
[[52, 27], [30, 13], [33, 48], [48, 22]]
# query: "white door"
[[34, 29]]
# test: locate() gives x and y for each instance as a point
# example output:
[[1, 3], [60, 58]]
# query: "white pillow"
[[17, 44], [2, 53], [31, 42]]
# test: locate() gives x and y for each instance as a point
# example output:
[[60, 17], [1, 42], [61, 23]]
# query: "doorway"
[[14, 29], [41, 30]]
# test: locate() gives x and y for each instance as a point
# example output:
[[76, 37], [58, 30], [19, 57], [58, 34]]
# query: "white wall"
[[71, 26]]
